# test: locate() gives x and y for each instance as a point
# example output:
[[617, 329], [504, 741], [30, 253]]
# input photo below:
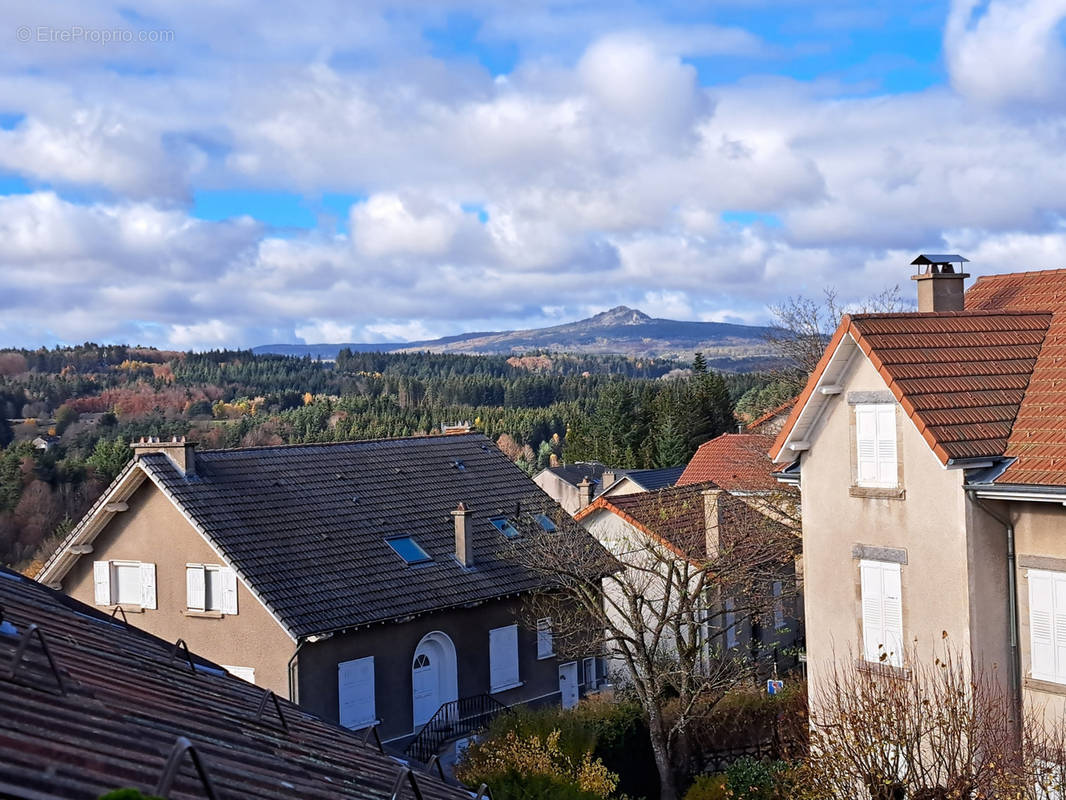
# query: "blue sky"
[[221, 176]]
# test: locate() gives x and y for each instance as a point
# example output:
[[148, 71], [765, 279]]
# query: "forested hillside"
[[68, 414]]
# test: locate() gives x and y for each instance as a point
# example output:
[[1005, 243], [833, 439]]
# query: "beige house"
[[931, 452], [375, 582]]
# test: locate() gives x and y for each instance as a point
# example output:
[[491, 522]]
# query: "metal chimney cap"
[[928, 259]]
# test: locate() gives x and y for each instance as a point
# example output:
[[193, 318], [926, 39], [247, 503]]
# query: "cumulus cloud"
[[601, 169], [1007, 51]]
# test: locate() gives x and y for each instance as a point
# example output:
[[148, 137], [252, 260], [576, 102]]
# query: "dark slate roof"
[[652, 479], [127, 702], [306, 525], [575, 473]]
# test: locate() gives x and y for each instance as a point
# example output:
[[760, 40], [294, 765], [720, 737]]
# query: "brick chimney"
[[179, 450], [464, 536], [584, 493], [940, 286], [712, 520]]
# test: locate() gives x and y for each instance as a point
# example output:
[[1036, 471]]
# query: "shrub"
[[508, 764], [708, 787]]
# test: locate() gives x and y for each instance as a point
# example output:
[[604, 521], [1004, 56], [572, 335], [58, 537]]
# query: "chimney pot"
[[464, 536]]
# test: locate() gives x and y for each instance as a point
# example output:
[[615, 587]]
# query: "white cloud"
[[1007, 51]]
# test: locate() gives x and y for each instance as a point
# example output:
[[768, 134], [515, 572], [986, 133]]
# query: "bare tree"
[[658, 611], [937, 731], [803, 325]]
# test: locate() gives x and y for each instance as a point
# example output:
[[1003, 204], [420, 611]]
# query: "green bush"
[[708, 787], [128, 794], [513, 786]]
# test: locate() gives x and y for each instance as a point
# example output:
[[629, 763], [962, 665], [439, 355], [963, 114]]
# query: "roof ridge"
[[977, 312], [1001, 275], [294, 445]]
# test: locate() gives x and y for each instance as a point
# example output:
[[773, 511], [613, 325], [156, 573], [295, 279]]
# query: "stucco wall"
[[154, 531], [559, 490], [1040, 543], [928, 522], [393, 647]]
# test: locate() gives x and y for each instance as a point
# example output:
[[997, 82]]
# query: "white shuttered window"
[[125, 583], [882, 612], [545, 643], [355, 693], [1047, 625], [210, 587], [875, 447], [503, 658]]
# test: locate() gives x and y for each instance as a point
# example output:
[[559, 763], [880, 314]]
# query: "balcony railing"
[[453, 720]]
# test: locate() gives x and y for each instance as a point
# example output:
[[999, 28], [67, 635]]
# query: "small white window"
[[545, 642], [875, 448], [503, 658], [882, 613], [730, 623], [1047, 625], [210, 587], [779, 605], [124, 583]]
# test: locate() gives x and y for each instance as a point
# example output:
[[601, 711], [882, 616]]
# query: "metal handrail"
[[451, 721]]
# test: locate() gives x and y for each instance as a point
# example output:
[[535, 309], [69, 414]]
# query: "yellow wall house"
[[931, 452]]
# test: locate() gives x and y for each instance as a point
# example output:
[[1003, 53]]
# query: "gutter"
[[1012, 604]]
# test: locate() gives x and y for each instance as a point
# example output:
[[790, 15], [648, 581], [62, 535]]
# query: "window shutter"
[[194, 586], [102, 583], [147, 585], [887, 469], [503, 657], [730, 622], [866, 443], [873, 626], [229, 590], [355, 693], [1041, 624], [892, 612], [545, 645]]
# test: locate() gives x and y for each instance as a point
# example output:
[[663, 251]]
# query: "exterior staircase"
[[453, 720]]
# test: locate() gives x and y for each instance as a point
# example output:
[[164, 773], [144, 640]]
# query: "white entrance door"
[[425, 684], [568, 684]]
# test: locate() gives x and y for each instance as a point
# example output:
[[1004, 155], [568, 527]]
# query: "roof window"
[[408, 549], [545, 523], [504, 526]]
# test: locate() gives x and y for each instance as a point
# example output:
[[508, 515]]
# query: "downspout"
[[1012, 605], [292, 671]]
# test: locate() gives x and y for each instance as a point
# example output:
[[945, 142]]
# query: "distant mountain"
[[622, 331]]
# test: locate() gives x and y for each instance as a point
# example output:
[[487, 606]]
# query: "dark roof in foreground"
[[127, 702], [306, 525]]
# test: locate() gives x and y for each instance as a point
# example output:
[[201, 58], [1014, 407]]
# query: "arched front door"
[[434, 678]]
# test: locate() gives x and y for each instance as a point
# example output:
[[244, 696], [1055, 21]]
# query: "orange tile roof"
[[734, 461], [960, 376], [1038, 437]]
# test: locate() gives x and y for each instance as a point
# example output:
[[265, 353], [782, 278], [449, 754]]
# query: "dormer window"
[[504, 526], [408, 549]]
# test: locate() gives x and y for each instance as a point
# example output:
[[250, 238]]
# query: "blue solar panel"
[[505, 527], [408, 549]]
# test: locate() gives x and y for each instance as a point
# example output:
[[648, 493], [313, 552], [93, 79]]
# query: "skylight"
[[545, 523], [504, 526], [408, 549]]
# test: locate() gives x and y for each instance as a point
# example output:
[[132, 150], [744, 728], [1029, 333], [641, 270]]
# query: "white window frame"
[[244, 673], [545, 639], [1047, 625], [778, 589], [504, 670], [196, 577], [105, 583], [730, 621], [876, 452], [882, 612]]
